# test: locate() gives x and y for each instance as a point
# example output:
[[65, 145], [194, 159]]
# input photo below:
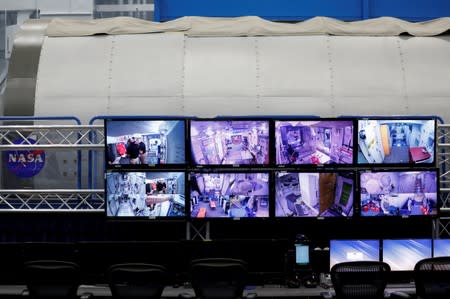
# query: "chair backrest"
[[136, 280], [432, 278], [52, 279], [218, 278], [364, 279]]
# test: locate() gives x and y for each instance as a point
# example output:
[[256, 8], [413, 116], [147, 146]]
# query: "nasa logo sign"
[[25, 163]]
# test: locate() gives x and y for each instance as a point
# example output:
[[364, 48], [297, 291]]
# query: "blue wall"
[[294, 10]]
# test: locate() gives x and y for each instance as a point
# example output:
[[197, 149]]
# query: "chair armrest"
[[86, 296], [186, 296], [326, 295], [250, 296], [396, 294]]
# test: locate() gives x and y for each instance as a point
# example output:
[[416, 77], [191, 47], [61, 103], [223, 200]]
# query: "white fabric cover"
[[174, 74], [247, 26]]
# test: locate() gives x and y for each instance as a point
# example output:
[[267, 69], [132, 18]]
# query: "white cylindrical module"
[[172, 74], [177, 74]]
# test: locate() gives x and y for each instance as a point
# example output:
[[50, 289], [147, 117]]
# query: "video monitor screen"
[[396, 141], [229, 195], [301, 254], [230, 142], [145, 194], [354, 250], [399, 193], [145, 142], [314, 142], [402, 255], [441, 247], [314, 194]]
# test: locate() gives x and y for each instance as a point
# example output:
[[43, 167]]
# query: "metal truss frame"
[[442, 226], [53, 137], [52, 200], [198, 231], [68, 137]]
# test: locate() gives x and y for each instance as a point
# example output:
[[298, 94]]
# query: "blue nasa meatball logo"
[[25, 163]]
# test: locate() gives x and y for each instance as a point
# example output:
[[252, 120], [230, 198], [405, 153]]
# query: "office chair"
[[218, 278], [52, 279], [432, 278], [136, 280], [364, 279]]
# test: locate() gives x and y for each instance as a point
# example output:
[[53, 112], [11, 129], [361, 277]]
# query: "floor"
[[399, 154]]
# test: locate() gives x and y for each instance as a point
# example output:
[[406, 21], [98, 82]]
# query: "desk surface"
[[260, 291]]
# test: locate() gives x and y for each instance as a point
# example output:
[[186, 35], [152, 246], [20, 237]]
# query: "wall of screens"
[[269, 168]]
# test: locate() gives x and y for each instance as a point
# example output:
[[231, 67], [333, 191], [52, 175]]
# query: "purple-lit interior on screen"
[[400, 193], [314, 194], [314, 142], [232, 195], [237, 142]]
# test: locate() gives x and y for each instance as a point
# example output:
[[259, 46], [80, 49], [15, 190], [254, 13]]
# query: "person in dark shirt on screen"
[[142, 151], [133, 151]]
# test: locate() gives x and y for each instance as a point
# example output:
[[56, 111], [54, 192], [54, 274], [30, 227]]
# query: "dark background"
[[96, 244]]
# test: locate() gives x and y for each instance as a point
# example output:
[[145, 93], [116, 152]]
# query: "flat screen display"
[[301, 254], [396, 141], [354, 250], [441, 247], [136, 143], [148, 194], [314, 142], [229, 142], [399, 193], [229, 195], [314, 194], [402, 255]]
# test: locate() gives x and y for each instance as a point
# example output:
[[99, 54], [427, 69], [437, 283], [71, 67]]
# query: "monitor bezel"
[[374, 170], [311, 165], [377, 118], [144, 218], [146, 166], [192, 163], [225, 171], [340, 170]]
